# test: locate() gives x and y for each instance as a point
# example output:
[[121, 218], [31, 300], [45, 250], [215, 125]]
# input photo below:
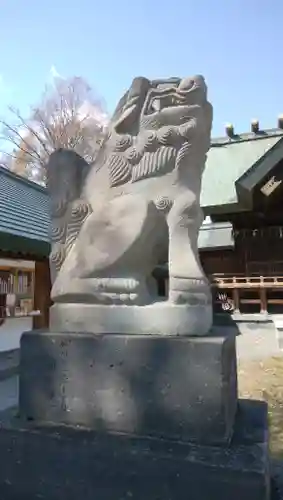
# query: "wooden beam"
[[42, 289], [4, 254]]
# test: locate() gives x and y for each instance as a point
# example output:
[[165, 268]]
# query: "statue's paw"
[[190, 291], [104, 291]]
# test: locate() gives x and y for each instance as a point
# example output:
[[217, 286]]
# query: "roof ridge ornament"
[[229, 129]]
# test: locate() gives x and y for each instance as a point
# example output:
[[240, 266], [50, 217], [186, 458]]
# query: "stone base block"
[[58, 462], [161, 318], [166, 387]]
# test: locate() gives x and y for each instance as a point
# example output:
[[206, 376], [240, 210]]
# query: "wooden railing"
[[237, 286], [247, 281]]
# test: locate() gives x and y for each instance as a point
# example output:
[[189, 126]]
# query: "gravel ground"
[[276, 480], [257, 341]]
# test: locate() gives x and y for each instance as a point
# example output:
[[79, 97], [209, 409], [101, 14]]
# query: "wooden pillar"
[[236, 300], [42, 288], [263, 301], [236, 296], [262, 296]]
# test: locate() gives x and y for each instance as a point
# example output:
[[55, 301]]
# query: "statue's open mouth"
[[157, 104], [148, 98], [173, 94]]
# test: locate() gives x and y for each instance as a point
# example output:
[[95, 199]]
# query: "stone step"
[[9, 393], [9, 364], [79, 462]]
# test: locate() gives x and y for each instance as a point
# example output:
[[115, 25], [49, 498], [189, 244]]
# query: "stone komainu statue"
[[115, 220]]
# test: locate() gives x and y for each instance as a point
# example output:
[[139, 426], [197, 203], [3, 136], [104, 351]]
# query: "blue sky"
[[237, 45]]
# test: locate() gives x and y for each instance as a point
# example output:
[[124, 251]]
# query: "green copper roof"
[[23, 210], [24, 245], [229, 159]]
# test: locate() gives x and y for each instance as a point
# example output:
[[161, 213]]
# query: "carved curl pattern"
[[57, 256]]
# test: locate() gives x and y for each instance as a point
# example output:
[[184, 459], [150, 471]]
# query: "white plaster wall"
[[11, 331]]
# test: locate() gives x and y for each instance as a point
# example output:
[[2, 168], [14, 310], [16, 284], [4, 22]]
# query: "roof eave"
[[255, 175]]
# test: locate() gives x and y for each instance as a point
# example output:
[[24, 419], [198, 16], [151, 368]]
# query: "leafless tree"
[[68, 116], [5, 161]]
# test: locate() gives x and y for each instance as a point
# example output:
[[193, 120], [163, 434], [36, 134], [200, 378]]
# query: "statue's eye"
[[153, 106], [156, 105]]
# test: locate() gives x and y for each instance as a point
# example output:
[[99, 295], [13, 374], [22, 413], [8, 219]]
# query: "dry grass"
[[264, 380]]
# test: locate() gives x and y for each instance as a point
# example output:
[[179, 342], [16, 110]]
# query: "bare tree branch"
[[29, 128], [12, 135], [68, 116]]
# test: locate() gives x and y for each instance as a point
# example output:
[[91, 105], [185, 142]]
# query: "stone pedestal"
[[174, 388], [132, 416], [160, 318]]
